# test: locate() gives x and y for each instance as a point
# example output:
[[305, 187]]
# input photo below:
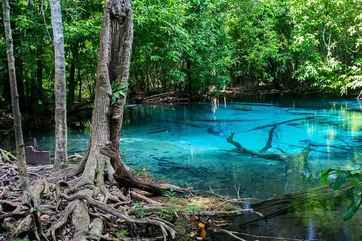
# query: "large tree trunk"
[[103, 92], [112, 70], [19, 140], [122, 38], [59, 86]]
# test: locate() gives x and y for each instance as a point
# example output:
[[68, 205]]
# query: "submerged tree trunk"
[[59, 86], [19, 140]]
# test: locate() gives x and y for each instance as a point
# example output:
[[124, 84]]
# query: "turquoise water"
[[186, 145]]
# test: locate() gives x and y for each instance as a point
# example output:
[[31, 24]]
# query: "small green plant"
[[192, 209], [122, 233], [168, 213], [139, 210], [141, 172], [348, 181], [170, 194], [6, 156], [118, 91]]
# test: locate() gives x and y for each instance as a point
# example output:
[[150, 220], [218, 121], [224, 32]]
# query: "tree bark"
[[19, 140], [59, 86], [20, 81], [122, 38], [103, 91], [79, 80], [72, 81]]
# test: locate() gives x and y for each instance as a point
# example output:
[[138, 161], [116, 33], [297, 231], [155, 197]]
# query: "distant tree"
[[59, 86], [19, 140]]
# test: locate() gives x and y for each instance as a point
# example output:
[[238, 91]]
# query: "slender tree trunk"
[[72, 82], [59, 86], [19, 140], [20, 82], [79, 79], [36, 86]]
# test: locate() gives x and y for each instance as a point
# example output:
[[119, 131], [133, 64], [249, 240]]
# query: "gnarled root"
[[125, 177]]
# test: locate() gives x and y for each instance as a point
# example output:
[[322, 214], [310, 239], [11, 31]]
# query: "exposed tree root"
[[124, 177], [58, 211]]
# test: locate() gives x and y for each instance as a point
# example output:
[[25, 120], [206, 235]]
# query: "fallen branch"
[[230, 233], [274, 238], [229, 213], [269, 142], [268, 156], [283, 122]]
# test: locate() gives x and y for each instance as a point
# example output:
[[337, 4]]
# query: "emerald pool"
[[186, 145]]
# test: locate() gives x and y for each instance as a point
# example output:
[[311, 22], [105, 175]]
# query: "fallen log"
[[289, 202]]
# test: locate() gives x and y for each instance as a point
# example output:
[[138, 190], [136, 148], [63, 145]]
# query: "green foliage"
[[192, 45], [170, 194], [139, 210], [350, 182], [122, 233], [6, 156], [168, 213], [192, 208], [118, 91]]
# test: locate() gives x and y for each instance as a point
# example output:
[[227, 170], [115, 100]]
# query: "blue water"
[[186, 145]]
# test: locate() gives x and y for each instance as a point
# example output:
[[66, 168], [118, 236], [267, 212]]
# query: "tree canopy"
[[313, 46]]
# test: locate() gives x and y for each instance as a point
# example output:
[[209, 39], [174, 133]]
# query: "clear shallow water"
[[186, 145]]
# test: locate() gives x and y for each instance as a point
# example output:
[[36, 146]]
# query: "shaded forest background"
[[301, 47]]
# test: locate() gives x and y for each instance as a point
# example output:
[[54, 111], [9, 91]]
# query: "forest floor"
[[128, 214]]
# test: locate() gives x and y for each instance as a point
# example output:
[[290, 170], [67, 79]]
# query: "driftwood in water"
[[270, 156], [171, 97], [289, 202], [282, 123], [225, 120], [297, 161], [269, 142]]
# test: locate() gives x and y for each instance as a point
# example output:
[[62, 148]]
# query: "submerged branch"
[[269, 142], [268, 156], [273, 238], [283, 122]]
